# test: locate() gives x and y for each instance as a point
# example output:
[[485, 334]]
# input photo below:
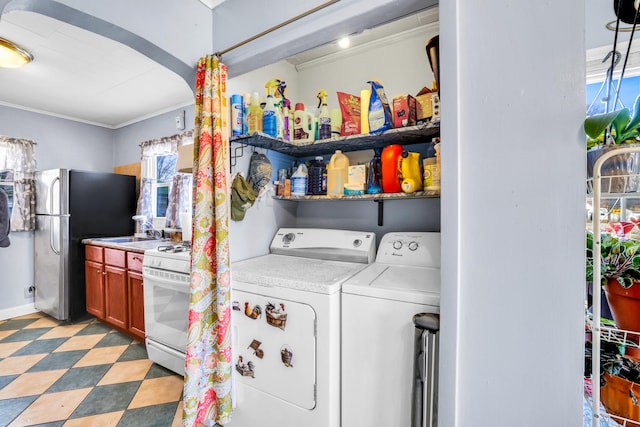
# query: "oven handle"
[[165, 283]]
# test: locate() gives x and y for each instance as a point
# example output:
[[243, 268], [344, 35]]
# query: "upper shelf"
[[404, 136]]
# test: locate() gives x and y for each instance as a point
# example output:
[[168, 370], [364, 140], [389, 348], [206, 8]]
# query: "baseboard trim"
[[9, 313]]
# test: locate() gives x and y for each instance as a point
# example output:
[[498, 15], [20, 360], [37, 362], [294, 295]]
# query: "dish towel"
[[5, 220]]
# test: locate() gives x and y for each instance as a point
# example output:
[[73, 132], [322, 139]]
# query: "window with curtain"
[[164, 192], [17, 169]]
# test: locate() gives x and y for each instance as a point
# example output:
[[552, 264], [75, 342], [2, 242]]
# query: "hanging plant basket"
[[620, 173]]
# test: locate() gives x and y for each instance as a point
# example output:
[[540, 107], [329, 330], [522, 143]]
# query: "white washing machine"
[[286, 327], [378, 305]]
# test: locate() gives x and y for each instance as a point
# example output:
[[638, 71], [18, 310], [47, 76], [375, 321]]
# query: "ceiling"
[[82, 76]]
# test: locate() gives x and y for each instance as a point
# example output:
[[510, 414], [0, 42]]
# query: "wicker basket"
[[275, 318]]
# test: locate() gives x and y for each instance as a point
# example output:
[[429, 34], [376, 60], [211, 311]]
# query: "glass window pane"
[[166, 167], [162, 200]]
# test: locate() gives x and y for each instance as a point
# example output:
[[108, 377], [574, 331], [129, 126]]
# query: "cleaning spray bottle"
[[286, 112], [324, 117], [269, 119]]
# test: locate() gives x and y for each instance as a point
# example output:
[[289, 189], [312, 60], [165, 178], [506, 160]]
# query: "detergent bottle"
[[374, 173], [299, 181], [254, 119], [337, 174], [302, 124], [390, 159], [324, 117], [410, 170], [269, 118]]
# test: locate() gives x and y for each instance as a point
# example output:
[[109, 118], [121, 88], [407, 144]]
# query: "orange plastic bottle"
[[390, 174]]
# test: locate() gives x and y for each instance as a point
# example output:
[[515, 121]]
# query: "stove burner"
[[173, 248]]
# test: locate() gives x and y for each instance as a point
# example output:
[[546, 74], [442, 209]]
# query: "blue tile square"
[[94, 329], [12, 324], [134, 352], [40, 347], [60, 360], [26, 335], [11, 408], [108, 398], [155, 415], [113, 339], [76, 378], [157, 371]]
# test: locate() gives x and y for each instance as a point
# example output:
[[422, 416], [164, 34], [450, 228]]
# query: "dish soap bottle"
[[254, 119], [269, 118], [324, 117]]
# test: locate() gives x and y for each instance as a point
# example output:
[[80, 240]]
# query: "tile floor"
[[82, 374]]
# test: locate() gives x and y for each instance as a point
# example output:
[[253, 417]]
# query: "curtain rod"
[[277, 27]]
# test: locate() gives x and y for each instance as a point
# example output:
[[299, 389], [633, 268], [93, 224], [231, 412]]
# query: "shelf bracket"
[[380, 203]]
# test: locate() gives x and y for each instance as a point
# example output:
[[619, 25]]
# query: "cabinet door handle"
[[135, 258]]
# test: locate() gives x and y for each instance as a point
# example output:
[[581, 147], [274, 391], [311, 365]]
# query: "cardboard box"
[[404, 111], [424, 105], [357, 175]]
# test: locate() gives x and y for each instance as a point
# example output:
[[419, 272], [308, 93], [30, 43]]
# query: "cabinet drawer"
[[134, 261], [115, 257], [93, 253]]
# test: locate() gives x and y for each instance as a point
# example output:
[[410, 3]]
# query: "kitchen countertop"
[[135, 246]]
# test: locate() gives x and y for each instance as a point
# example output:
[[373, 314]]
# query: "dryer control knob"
[[397, 244], [288, 238], [413, 246]]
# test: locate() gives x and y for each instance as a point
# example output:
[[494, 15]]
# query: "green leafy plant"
[[620, 259], [620, 126]]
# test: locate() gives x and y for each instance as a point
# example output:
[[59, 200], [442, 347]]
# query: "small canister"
[[237, 114]]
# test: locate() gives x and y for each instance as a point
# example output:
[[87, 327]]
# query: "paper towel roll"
[[185, 220], [365, 96]]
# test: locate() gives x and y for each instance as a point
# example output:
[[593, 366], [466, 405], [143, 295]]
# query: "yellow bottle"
[[254, 119], [410, 169]]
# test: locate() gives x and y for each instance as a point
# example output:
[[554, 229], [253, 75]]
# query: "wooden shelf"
[[404, 136], [375, 197]]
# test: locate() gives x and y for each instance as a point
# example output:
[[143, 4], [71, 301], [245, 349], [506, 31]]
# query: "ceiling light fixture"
[[344, 42], [12, 55]]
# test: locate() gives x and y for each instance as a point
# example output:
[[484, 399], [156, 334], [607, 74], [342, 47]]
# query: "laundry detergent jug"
[[410, 171], [390, 160], [337, 174]]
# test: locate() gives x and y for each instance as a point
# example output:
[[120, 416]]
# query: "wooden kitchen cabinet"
[[94, 279], [135, 294], [115, 288]]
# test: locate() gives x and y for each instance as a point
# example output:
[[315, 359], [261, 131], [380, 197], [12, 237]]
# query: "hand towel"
[[5, 220]]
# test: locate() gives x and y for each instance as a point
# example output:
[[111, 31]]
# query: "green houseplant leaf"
[[595, 125]]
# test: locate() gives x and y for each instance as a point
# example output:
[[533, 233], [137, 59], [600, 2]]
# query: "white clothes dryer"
[[378, 305], [286, 327]]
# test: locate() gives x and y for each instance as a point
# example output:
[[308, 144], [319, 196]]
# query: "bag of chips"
[[350, 107]]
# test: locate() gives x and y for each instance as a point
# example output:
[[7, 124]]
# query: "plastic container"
[[324, 117], [254, 119], [365, 96], [299, 181], [317, 177], [337, 174], [303, 128], [269, 117], [390, 158], [236, 115], [246, 99], [374, 173], [410, 170]]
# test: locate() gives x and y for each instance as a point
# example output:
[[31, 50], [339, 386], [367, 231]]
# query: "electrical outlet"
[[180, 121], [28, 291]]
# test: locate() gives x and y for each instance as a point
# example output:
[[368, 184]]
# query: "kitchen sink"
[[125, 239]]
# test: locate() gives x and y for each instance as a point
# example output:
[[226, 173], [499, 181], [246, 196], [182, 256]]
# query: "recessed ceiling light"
[[344, 42], [12, 55]]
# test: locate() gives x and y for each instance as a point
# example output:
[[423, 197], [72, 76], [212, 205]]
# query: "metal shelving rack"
[[598, 331]]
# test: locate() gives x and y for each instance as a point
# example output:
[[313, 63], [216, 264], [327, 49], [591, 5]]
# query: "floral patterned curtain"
[[17, 155], [207, 380]]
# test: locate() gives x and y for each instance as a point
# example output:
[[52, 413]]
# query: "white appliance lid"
[[308, 274], [397, 283], [169, 261]]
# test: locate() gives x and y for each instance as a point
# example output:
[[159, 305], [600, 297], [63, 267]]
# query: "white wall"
[[60, 144], [513, 176]]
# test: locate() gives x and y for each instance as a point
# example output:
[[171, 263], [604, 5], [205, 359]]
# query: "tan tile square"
[[109, 419], [45, 322], [82, 342], [158, 390], [4, 334], [62, 331], [31, 383], [31, 315], [177, 420], [51, 407], [123, 372], [19, 364], [7, 349], [101, 356]]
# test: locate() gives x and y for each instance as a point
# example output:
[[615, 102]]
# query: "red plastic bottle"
[[390, 172]]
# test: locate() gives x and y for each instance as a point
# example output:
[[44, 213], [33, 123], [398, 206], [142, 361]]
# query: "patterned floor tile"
[[6, 380], [80, 378], [5, 334], [40, 347], [51, 407], [100, 356], [157, 415], [27, 335], [121, 372], [84, 342], [19, 364], [94, 329], [177, 418], [157, 391], [110, 419], [114, 339], [7, 349], [108, 398], [16, 324], [158, 371], [63, 331], [44, 322], [11, 408], [65, 359], [31, 384], [135, 351]]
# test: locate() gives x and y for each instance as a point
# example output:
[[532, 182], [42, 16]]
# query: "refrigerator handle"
[[51, 194], [52, 241]]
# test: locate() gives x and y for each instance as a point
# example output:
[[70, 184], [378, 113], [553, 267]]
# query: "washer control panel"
[[419, 249]]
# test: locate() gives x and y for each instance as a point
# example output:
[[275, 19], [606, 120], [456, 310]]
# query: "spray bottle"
[[286, 107], [269, 119], [324, 117], [254, 118]]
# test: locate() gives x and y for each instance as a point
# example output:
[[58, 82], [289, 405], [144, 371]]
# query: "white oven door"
[[166, 307]]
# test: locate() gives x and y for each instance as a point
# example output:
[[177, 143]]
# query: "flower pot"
[[616, 397], [625, 308], [620, 173]]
